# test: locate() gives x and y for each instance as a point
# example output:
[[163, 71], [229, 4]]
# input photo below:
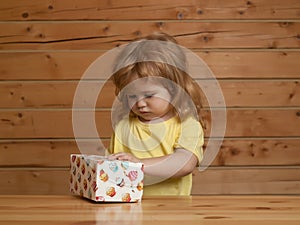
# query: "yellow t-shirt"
[[160, 139]]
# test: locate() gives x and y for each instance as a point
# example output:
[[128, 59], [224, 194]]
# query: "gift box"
[[100, 179]]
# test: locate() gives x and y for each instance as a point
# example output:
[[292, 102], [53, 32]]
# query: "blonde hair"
[[158, 55]]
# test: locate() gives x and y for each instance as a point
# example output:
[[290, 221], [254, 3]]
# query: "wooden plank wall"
[[252, 46]]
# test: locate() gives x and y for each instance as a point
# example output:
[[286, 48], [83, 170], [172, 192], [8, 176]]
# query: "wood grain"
[[252, 48], [55, 94], [34, 181], [58, 123], [233, 152], [107, 35], [247, 181], [207, 210], [277, 180], [258, 152], [64, 65], [146, 10], [45, 153]]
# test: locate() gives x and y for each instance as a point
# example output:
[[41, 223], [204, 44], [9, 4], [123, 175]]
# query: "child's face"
[[149, 100]]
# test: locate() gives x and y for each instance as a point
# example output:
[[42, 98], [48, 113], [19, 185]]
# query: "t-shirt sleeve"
[[191, 137]]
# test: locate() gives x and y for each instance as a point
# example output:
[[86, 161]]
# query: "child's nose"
[[141, 103]]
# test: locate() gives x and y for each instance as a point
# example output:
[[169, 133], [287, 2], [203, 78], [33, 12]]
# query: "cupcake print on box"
[[99, 179]]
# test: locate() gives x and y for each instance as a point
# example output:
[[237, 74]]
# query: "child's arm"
[[178, 164]]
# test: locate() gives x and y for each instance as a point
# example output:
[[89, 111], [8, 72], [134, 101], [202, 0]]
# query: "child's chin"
[[146, 119]]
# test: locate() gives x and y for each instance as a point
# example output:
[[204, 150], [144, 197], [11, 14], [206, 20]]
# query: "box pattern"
[[100, 179]]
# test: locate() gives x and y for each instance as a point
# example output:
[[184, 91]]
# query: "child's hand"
[[123, 156]]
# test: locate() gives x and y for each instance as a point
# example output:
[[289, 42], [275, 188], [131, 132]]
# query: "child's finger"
[[112, 157], [122, 157]]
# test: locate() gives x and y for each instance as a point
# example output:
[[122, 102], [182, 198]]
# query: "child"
[[156, 120]]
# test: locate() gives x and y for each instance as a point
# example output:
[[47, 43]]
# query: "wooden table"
[[56, 210]]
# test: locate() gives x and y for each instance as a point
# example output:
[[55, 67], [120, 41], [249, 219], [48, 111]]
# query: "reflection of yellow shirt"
[[160, 139]]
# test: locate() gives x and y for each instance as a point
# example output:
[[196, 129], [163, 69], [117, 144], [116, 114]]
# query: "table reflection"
[[125, 213]]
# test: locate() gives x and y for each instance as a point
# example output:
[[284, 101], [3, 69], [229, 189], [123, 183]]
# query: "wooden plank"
[[247, 181], [107, 35], [253, 93], [46, 65], [55, 94], [260, 123], [233, 152], [34, 181], [258, 152], [224, 64], [164, 210], [58, 123], [45, 153], [46, 124], [211, 181], [148, 10]]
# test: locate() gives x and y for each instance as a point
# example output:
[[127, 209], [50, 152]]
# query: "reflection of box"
[[119, 214], [100, 179]]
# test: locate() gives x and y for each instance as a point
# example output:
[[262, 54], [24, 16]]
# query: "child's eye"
[[149, 95], [131, 96]]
